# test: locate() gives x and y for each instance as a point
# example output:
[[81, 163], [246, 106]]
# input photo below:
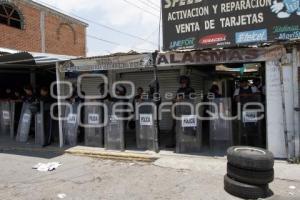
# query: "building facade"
[[29, 26]]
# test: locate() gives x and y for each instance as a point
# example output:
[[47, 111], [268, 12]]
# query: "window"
[[10, 16]]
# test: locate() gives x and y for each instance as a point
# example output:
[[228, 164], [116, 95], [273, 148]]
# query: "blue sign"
[[251, 36]]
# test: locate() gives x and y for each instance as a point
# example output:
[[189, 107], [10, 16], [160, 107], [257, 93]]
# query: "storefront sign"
[[93, 119], [146, 120], [251, 36], [228, 23], [189, 121], [220, 56], [108, 63]]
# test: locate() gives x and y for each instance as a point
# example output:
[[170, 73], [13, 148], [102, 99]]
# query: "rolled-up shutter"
[[90, 85], [168, 80]]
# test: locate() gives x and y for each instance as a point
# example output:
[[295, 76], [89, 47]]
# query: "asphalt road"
[[90, 178]]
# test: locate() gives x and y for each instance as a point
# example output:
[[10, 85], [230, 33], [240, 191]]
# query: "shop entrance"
[[13, 111], [238, 92], [216, 135]]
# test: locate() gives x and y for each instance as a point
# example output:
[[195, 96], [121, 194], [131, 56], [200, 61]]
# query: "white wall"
[[287, 71], [275, 128]]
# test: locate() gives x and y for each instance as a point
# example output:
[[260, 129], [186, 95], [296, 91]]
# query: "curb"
[[113, 155], [88, 153]]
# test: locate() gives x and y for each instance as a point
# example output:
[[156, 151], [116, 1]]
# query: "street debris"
[[45, 167], [292, 187], [61, 196]]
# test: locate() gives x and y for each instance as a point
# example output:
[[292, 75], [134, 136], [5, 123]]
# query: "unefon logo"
[[186, 43], [213, 39]]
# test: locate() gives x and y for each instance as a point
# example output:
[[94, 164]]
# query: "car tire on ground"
[[245, 191], [251, 158], [250, 176]]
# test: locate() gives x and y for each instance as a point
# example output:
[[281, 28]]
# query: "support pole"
[[275, 130], [157, 88], [296, 102], [59, 92], [288, 99]]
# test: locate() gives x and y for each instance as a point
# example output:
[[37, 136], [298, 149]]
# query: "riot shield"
[[220, 129], [250, 126], [39, 127], [188, 128], [147, 126], [93, 117], [114, 130], [43, 125], [7, 117], [71, 124], [24, 123]]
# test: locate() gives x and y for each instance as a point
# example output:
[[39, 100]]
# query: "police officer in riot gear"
[[29, 96], [184, 92], [245, 90], [47, 101]]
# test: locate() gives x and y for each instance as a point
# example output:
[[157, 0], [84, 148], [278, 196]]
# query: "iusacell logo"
[[251, 36], [212, 39], [183, 44]]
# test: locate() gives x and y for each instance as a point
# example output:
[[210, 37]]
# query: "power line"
[[154, 3], [103, 40], [149, 5], [101, 25], [109, 41], [148, 37], [141, 8]]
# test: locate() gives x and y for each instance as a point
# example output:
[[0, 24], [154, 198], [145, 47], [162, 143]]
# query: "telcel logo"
[[187, 43], [212, 39], [251, 36]]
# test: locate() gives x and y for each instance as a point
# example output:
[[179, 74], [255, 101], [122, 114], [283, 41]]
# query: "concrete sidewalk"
[[171, 176], [167, 159]]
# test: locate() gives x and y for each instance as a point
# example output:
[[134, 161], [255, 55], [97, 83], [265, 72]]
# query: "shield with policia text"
[[147, 126], [188, 128], [39, 127], [220, 129], [7, 116], [43, 125], [251, 122], [71, 124], [114, 130], [24, 123], [93, 119]]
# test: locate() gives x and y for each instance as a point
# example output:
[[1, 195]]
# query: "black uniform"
[[185, 93]]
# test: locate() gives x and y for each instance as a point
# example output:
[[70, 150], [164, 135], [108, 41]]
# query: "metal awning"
[[110, 62], [10, 58]]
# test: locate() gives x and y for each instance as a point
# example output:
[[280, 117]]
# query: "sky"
[[135, 17]]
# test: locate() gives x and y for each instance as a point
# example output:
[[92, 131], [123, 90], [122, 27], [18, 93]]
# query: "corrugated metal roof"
[[38, 58], [130, 53]]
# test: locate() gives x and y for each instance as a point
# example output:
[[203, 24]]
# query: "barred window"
[[10, 16]]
